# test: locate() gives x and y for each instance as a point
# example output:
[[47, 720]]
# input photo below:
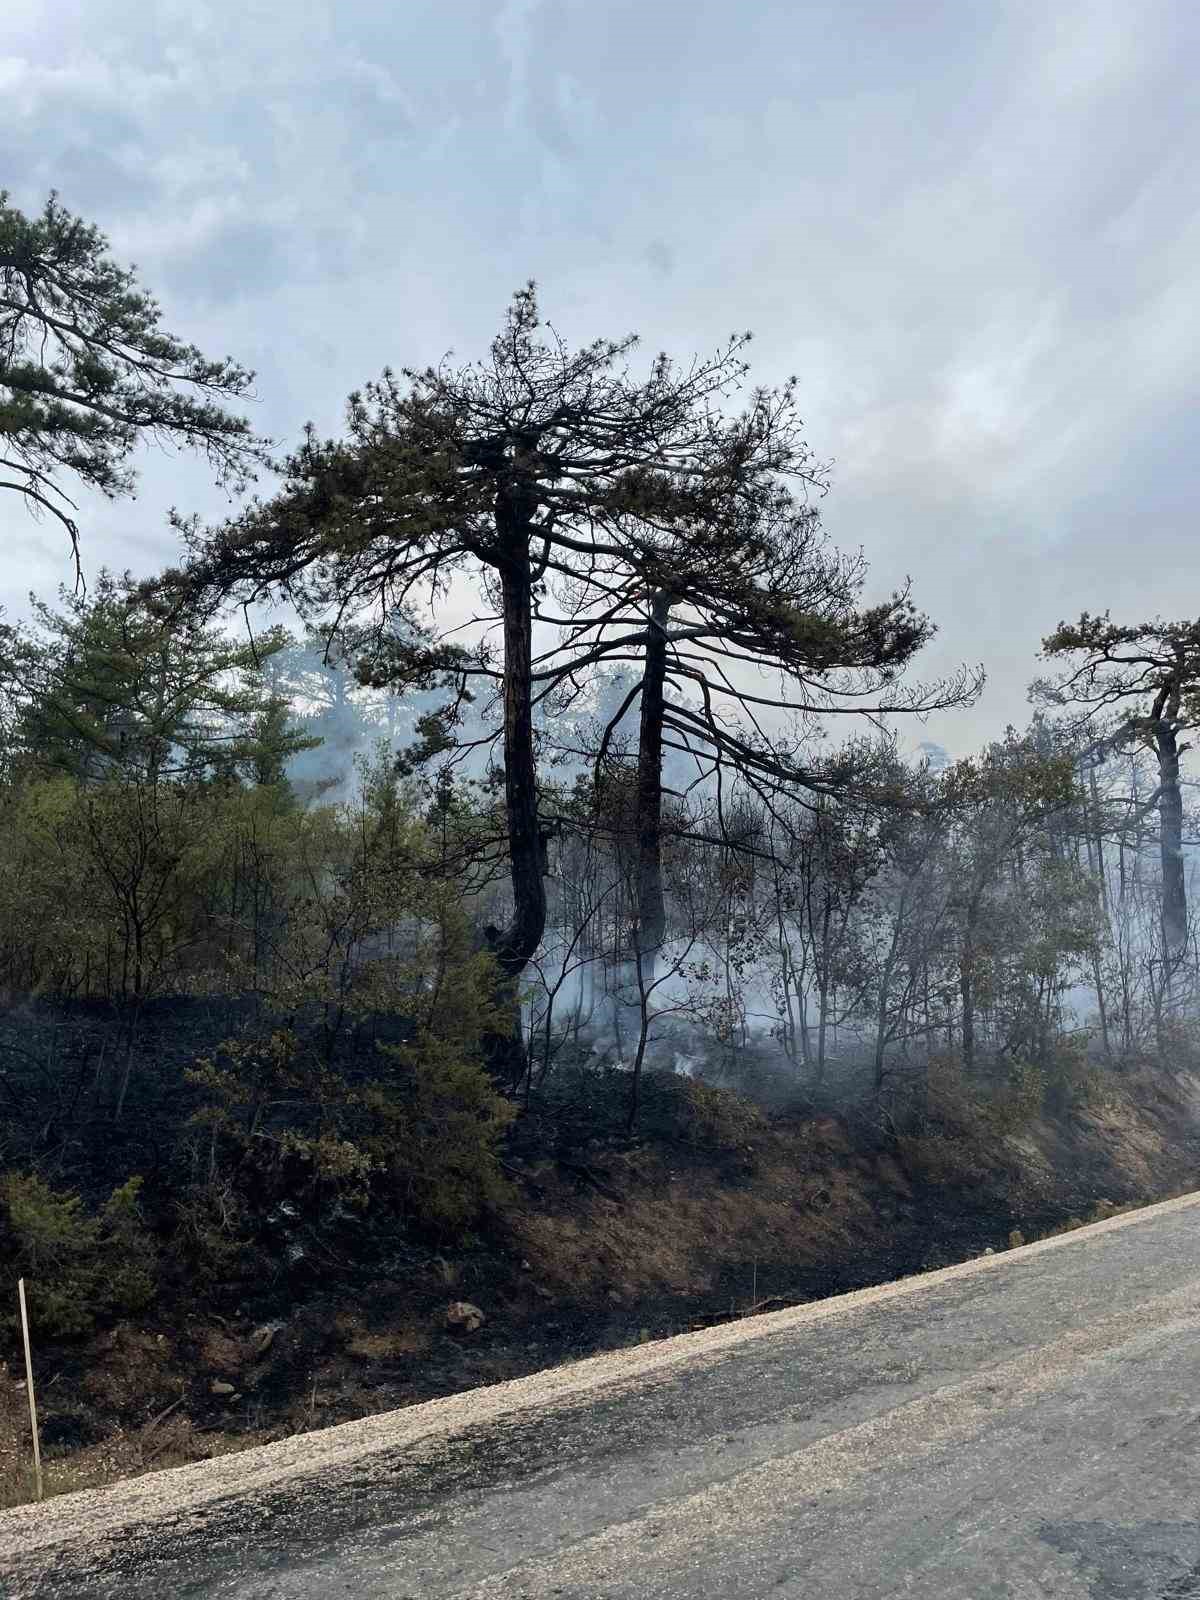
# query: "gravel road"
[[1027, 1424]]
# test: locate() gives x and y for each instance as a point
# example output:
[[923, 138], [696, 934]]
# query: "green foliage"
[[420, 1141], [100, 893], [719, 1118], [79, 1267], [415, 1134], [1021, 1099], [111, 685], [435, 1135], [131, 1252], [1147, 661], [87, 372]]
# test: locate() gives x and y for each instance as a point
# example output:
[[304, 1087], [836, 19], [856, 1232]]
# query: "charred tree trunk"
[[1097, 832], [1170, 815], [651, 908], [966, 984], [823, 990], [513, 947], [885, 986]]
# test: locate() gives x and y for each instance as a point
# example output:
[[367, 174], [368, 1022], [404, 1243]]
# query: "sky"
[[970, 229]]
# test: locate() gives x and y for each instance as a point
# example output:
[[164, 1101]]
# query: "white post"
[[37, 1453]]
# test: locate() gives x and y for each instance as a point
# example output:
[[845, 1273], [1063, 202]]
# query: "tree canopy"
[[87, 372], [1137, 685]]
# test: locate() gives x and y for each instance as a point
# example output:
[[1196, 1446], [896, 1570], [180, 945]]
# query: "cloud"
[[969, 230], [514, 34]]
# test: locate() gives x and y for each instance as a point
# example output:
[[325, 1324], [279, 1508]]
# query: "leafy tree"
[[109, 686], [906, 911], [1001, 800], [86, 372]]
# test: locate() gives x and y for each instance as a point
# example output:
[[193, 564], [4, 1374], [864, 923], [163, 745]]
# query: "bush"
[[1021, 1100], [941, 1160], [211, 1241], [720, 1118], [434, 1138], [1072, 1080], [79, 1267], [419, 1141], [130, 1251], [942, 1102]]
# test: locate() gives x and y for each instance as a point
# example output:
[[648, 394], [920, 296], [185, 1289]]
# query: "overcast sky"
[[969, 227]]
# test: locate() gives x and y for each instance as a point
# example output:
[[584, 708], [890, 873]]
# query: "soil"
[[609, 1244]]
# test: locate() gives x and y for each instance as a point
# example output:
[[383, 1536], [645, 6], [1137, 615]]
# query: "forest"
[[322, 907]]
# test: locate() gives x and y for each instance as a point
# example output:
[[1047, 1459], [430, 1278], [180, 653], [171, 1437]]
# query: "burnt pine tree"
[[776, 603], [534, 463], [86, 372], [1144, 682]]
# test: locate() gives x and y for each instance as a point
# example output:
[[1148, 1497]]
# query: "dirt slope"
[[621, 1243]]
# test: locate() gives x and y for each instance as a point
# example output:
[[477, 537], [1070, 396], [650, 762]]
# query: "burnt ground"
[[608, 1241]]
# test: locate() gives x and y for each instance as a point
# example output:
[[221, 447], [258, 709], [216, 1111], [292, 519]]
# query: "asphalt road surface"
[[1023, 1425]]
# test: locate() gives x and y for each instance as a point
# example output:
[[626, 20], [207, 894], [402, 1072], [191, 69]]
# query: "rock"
[[464, 1316], [220, 1354], [261, 1340], [219, 1386]]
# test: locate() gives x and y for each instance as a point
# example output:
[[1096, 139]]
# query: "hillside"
[[601, 1244]]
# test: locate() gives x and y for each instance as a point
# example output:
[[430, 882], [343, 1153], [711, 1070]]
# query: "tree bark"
[[966, 977], [651, 909], [823, 990], [1098, 833], [512, 947], [1170, 813], [885, 984]]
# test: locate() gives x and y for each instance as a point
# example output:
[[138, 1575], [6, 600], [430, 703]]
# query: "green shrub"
[[78, 1267], [433, 1137], [421, 1141], [720, 1118], [129, 1250], [1021, 1099], [54, 1244]]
